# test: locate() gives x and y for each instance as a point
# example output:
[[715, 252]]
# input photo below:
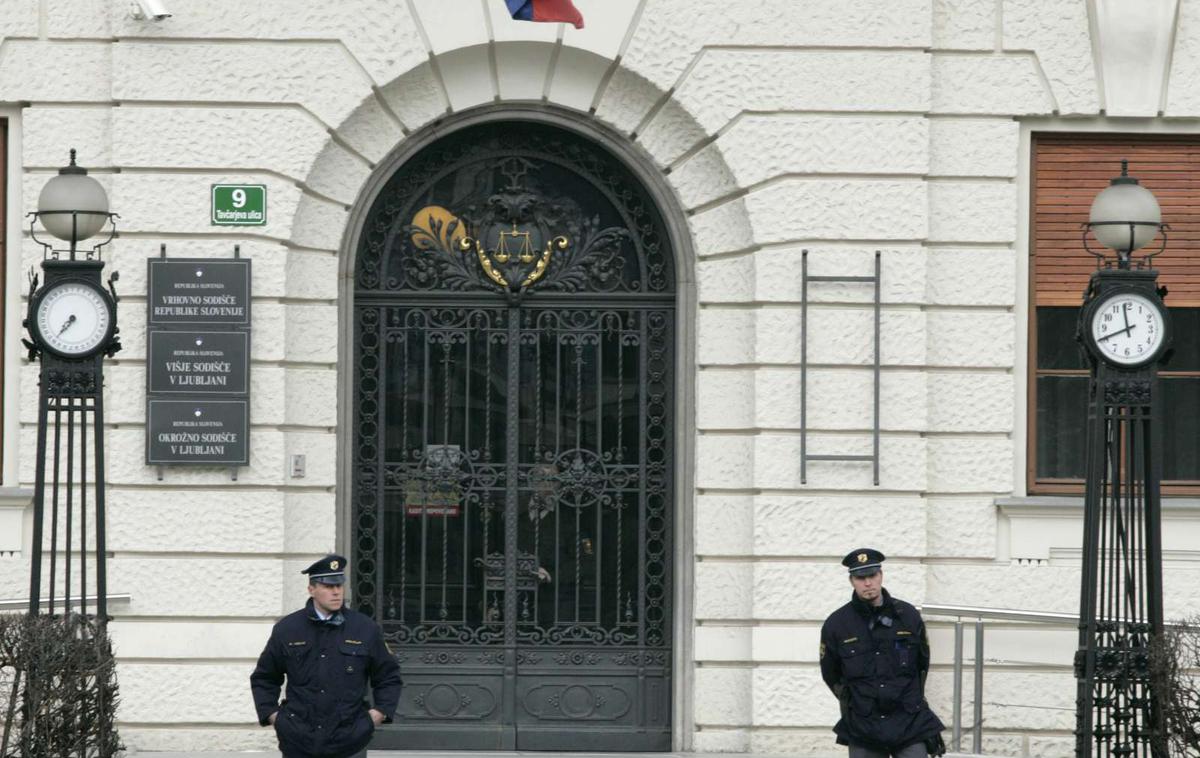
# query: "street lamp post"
[[1125, 330], [72, 324]]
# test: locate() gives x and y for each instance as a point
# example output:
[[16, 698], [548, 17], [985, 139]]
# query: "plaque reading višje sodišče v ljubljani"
[[193, 292], [191, 362]]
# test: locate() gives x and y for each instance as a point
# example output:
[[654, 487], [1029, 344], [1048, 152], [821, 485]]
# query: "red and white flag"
[[558, 11]]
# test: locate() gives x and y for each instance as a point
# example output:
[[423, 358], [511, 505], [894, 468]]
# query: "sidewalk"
[[514, 754]]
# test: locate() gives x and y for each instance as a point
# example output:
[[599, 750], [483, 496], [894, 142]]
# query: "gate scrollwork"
[[569, 215]]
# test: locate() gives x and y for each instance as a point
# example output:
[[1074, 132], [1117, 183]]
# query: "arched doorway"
[[513, 461]]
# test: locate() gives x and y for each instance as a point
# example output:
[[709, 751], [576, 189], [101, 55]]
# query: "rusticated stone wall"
[[838, 126]]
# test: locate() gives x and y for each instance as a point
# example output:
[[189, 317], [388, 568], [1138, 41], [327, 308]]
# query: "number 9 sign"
[[239, 205]]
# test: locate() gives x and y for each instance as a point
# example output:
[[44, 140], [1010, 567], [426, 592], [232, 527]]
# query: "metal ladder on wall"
[[804, 456]]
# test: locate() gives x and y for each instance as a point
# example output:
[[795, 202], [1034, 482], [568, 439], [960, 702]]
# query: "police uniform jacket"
[[327, 666], [875, 660]]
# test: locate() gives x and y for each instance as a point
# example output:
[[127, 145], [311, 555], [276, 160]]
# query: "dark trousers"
[[912, 751]]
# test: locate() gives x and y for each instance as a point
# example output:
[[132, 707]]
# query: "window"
[[1068, 171]]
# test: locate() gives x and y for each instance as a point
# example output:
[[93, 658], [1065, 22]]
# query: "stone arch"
[[600, 94], [622, 103]]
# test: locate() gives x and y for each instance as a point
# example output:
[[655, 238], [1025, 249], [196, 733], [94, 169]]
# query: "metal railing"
[[960, 612], [22, 603]]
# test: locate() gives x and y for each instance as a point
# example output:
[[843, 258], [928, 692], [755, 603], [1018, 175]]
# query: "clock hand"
[[69, 321], [1125, 313], [1114, 334]]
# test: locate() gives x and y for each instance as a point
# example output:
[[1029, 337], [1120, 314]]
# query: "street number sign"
[[239, 204]]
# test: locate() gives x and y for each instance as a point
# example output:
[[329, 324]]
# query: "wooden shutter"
[[1070, 169]]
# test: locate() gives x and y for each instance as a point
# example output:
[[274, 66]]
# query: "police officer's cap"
[[864, 561], [329, 570]]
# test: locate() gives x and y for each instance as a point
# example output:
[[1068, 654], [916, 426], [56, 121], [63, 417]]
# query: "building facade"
[[630, 430]]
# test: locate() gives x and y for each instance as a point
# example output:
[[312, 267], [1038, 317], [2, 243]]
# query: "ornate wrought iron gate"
[[514, 319]]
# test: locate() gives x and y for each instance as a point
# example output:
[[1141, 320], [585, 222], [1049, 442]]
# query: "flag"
[[545, 10]]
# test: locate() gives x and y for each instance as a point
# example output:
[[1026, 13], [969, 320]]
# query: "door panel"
[[591, 560], [444, 432], [587, 673]]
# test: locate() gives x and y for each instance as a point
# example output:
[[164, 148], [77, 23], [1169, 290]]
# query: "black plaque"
[[197, 363], [201, 432], [199, 291]]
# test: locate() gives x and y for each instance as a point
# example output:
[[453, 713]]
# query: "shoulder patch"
[[822, 651]]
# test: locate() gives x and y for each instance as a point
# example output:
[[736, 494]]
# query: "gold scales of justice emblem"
[[503, 255]]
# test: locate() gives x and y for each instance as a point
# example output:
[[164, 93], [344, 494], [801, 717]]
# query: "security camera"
[[153, 10]]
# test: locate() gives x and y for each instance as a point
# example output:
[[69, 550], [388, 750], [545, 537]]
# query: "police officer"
[[874, 656], [328, 653]]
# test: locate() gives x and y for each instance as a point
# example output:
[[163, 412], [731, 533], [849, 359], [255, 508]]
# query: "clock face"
[[1127, 329], [73, 319]]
